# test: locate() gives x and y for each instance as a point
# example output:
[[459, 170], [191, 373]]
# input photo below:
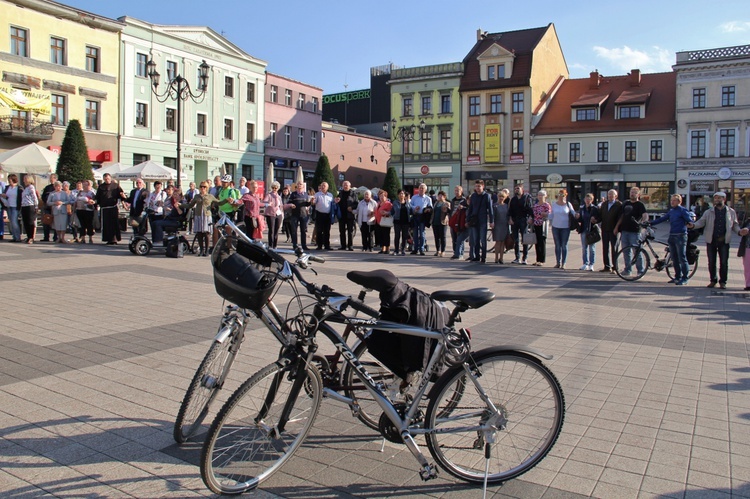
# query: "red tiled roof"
[[658, 88], [589, 99], [520, 42]]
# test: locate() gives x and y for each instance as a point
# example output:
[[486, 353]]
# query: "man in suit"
[[137, 202], [609, 212]]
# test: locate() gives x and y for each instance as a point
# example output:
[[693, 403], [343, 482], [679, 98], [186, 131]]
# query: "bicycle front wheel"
[[369, 410], [260, 427], [509, 400], [639, 261], [206, 383]]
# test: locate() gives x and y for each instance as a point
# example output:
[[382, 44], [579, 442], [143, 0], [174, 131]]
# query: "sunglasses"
[[204, 187]]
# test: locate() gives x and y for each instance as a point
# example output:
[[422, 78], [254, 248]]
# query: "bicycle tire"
[[634, 274], [239, 452], [692, 268], [524, 391], [206, 384]]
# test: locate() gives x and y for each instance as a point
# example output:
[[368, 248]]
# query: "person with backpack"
[[457, 222]]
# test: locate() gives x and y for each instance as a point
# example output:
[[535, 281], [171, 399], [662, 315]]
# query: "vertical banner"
[[492, 143]]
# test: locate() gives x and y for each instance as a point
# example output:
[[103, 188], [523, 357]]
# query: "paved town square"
[[99, 345]]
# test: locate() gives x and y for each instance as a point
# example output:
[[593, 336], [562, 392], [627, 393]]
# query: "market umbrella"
[[300, 175], [32, 159], [269, 176], [149, 171], [113, 169]]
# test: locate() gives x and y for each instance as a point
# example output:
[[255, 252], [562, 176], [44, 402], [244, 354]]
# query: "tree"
[[323, 173], [391, 183], [74, 164]]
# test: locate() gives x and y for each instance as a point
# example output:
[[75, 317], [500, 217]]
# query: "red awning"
[[95, 155]]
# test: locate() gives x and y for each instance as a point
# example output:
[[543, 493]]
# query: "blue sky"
[[332, 43]]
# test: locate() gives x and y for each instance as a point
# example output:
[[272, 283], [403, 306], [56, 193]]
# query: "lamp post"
[[178, 89], [403, 134]]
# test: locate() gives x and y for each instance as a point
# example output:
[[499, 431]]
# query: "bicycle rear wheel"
[[206, 383], [251, 439], [640, 262], [524, 424]]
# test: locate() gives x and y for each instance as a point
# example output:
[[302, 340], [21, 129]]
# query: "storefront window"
[[655, 195], [741, 201]]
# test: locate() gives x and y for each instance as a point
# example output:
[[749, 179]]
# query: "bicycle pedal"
[[429, 472]]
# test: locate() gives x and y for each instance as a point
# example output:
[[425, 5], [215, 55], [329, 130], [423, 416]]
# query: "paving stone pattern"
[[98, 346]]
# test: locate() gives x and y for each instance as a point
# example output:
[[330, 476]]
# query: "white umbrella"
[[112, 169], [300, 174], [31, 158], [149, 171], [269, 176]]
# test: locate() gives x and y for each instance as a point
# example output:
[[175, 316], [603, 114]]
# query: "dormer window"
[[588, 107], [496, 63], [586, 114], [630, 112]]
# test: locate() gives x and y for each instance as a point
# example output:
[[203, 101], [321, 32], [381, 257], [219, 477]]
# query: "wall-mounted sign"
[[725, 173], [346, 96], [473, 159], [554, 178], [425, 170], [516, 158], [682, 183], [492, 143]]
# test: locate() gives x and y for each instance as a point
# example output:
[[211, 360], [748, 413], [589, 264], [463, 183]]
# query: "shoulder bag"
[[594, 235], [529, 237], [572, 220]]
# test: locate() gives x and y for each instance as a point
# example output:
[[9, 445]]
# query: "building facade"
[[361, 159], [58, 63], [505, 76], [366, 109], [221, 133], [601, 133], [713, 123], [427, 98], [292, 127]]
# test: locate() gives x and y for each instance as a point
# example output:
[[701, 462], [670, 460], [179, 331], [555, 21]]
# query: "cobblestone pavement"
[[98, 346]]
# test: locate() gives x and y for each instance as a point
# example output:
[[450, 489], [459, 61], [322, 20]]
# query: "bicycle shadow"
[[739, 491]]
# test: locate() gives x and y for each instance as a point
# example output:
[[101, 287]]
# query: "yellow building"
[[58, 63]]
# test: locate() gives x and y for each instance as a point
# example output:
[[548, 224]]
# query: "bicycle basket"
[[242, 273]]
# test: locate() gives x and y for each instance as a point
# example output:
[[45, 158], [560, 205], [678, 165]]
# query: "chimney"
[[594, 79], [480, 34], [635, 78]]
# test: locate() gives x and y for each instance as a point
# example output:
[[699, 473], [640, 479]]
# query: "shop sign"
[[554, 178], [425, 170], [492, 143], [346, 96], [742, 184], [473, 159], [516, 158], [701, 186], [199, 154]]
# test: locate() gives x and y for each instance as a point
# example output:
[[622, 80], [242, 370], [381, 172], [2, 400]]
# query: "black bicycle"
[[632, 262]]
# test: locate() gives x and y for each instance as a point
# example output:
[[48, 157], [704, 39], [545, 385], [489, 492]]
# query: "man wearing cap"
[[719, 223], [229, 200]]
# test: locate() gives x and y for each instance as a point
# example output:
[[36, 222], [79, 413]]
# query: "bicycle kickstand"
[[487, 454]]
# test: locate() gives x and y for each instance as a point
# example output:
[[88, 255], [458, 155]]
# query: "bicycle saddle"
[[377, 280], [472, 298]]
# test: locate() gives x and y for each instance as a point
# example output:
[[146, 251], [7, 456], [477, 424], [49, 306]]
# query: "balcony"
[[25, 129]]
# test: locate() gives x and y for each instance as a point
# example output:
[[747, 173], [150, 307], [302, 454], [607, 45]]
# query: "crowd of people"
[[516, 223]]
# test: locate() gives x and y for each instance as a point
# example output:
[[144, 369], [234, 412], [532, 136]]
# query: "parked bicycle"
[[490, 415], [632, 262]]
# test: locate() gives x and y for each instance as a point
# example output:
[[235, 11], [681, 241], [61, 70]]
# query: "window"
[[473, 143], [500, 71], [631, 150], [726, 143], [426, 141], [140, 158], [551, 153], [727, 96], [141, 65], [228, 129], [287, 97], [228, 86], [170, 119], [201, 121], [656, 150], [575, 152], [274, 93], [699, 98], [141, 114], [272, 132], [58, 114], [698, 144], [313, 141], [602, 152], [406, 107], [250, 92], [57, 51], [287, 137], [19, 41], [407, 146], [445, 104], [301, 101], [426, 104], [474, 106], [496, 104], [630, 112], [250, 132], [170, 162], [20, 119], [315, 104], [301, 139], [171, 70], [92, 59], [588, 114], [517, 102], [490, 72], [517, 142], [92, 115], [445, 141]]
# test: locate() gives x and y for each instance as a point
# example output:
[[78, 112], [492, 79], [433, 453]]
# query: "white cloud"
[[623, 59], [735, 26]]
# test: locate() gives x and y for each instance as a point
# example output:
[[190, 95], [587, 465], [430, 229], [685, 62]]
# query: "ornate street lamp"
[[403, 134], [178, 89]]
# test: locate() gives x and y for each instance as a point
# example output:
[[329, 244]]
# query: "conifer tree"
[[73, 164], [391, 183], [323, 173]]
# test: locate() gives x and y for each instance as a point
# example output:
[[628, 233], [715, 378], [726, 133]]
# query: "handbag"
[[510, 243], [572, 220], [529, 238], [386, 221], [594, 235], [47, 219]]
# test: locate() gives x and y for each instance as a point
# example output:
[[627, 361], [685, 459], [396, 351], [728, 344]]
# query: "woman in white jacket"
[[366, 217]]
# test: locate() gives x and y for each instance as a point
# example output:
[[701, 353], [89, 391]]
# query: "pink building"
[[293, 127], [360, 159]]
